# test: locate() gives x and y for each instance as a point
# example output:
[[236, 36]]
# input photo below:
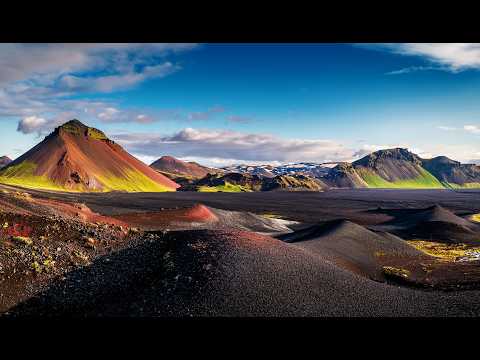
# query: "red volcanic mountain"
[[75, 157], [4, 161], [174, 167]]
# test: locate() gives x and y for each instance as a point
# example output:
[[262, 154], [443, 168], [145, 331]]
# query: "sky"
[[223, 104]]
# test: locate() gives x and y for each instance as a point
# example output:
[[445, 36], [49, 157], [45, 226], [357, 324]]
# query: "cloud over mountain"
[[239, 146]]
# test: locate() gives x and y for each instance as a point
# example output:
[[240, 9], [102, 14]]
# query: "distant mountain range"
[[237, 182], [195, 177], [400, 168], [392, 168], [75, 157], [301, 168]]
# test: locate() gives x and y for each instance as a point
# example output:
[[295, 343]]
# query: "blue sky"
[[252, 103]]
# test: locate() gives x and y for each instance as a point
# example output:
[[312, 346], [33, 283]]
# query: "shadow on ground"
[[115, 285]]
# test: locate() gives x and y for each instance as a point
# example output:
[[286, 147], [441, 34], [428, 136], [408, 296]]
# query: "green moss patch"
[[227, 187], [23, 175], [424, 181], [132, 181], [22, 240], [96, 134], [474, 185]]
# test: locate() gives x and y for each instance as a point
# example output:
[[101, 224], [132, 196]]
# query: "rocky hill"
[[392, 168], [174, 168], [293, 183], [75, 157], [236, 182]]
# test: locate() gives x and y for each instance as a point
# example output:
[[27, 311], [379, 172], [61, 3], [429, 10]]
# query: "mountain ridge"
[[396, 168], [400, 168]]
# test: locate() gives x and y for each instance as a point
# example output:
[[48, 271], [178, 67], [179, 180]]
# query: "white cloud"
[[453, 57], [474, 129], [24, 61], [37, 79], [459, 152], [108, 114], [233, 146], [31, 124], [116, 82], [43, 126]]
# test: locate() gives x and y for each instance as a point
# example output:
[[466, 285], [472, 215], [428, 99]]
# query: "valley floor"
[[235, 268], [310, 207]]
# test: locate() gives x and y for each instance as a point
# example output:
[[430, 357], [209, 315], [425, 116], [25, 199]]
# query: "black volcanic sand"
[[434, 223], [331, 267], [368, 253], [353, 247], [221, 273], [48, 247]]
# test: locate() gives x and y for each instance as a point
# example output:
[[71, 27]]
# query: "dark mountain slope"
[[452, 173]]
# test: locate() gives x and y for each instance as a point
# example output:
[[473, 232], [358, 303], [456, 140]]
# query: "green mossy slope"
[[424, 181]]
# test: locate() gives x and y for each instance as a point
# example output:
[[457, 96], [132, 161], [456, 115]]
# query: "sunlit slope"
[[422, 180], [227, 187], [390, 169], [78, 158]]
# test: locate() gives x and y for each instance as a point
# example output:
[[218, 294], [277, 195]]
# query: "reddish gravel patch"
[[80, 211], [25, 204], [158, 219]]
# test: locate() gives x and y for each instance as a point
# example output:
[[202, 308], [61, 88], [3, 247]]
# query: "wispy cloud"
[[474, 129], [453, 57], [205, 115], [413, 69], [47, 62], [239, 119], [221, 148], [447, 128], [37, 81], [121, 81]]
